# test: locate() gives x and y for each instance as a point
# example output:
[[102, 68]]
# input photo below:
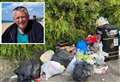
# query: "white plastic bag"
[[51, 68], [71, 66], [99, 59], [100, 54]]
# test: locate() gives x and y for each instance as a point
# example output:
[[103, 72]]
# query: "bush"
[[67, 20]]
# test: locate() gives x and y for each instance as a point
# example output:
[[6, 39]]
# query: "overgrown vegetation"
[[67, 20], [22, 0]]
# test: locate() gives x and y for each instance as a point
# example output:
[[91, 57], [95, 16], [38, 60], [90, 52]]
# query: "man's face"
[[21, 19]]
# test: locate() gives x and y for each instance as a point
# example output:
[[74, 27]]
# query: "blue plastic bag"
[[81, 46]]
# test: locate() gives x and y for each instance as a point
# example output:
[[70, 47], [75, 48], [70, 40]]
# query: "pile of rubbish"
[[81, 60], [78, 60]]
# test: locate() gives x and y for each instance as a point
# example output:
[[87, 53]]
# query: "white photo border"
[[22, 3]]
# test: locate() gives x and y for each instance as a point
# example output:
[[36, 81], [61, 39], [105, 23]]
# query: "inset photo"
[[23, 22]]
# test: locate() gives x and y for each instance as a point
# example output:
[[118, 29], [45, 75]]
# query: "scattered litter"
[[71, 65], [28, 70], [99, 55], [81, 71], [13, 77], [100, 69], [70, 49], [37, 80], [91, 38], [63, 57], [45, 57], [103, 79], [81, 46], [51, 68], [87, 58]]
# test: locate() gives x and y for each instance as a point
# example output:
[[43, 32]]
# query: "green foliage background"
[[66, 20]]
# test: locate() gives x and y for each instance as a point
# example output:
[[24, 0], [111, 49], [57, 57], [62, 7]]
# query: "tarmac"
[[112, 75]]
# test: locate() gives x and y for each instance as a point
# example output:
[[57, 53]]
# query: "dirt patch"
[[7, 68]]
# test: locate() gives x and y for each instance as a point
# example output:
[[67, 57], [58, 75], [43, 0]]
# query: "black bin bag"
[[81, 71], [62, 57], [28, 71]]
